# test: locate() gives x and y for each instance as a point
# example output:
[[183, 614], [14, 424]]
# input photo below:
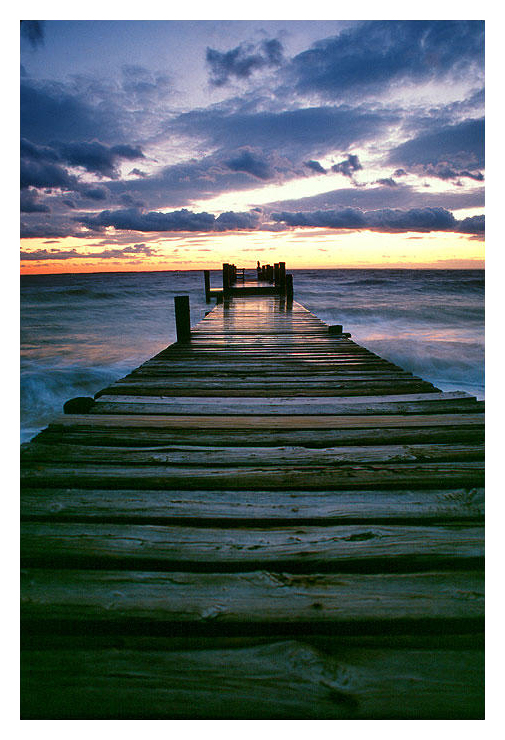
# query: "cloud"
[[31, 204], [251, 163], [349, 166], [95, 192], [472, 225], [54, 254], [135, 220], [302, 133], [242, 61], [132, 219], [46, 175], [387, 181], [51, 110], [316, 166], [97, 158], [446, 152], [46, 166], [231, 220], [372, 55], [386, 220], [346, 218], [33, 31]]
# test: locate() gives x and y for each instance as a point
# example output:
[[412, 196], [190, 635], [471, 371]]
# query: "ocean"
[[80, 332]]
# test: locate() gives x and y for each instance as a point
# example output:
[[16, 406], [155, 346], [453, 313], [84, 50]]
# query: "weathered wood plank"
[[350, 548], [283, 680], [261, 421], [257, 602], [189, 455], [253, 508], [204, 405], [312, 438], [237, 392], [378, 475]]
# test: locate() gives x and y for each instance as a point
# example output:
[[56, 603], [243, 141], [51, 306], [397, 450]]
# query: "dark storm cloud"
[[374, 54], [33, 31], [252, 163], [45, 166], [97, 158], [298, 133], [347, 218], [401, 196], [31, 204], [386, 219], [472, 225], [55, 111], [387, 182], [349, 166], [54, 254], [312, 164], [97, 192], [449, 150], [231, 220], [38, 228], [242, 61], [133, 219], [46, 175]]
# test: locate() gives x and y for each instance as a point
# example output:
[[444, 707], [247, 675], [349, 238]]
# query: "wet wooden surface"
[[269, 522]]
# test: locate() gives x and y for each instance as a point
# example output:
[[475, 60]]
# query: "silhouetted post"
[[226, 276], [335, 328], [276, 274], [206, 277], [182, 320], [282, 277], [289, 288]]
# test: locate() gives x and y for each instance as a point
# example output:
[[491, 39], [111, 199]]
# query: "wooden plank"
[[124, 404], [253, 508], [311, 477], [349, 548], [191, 455], [257, 602], [280, 680], [237, 392], [312, 438], [259, 421], [393, 398]]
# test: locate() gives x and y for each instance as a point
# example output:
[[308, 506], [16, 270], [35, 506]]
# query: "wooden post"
[[226, 276], [182, 320], [206, 277], [276, 274], [289, 288], [335, 329], [282, 277]]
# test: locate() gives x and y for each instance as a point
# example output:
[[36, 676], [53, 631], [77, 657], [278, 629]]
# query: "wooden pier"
[[265, 520]]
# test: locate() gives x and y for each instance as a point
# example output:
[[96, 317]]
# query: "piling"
[[206, 277], [182, 318]]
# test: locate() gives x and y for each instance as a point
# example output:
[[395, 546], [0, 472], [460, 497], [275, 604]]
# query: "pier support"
[[182, 318], [206, 277], [289, 288]]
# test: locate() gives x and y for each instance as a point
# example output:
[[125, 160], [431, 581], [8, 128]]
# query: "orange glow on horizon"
[[299, 248]]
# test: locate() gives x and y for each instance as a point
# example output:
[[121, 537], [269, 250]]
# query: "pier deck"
[[267, 521]]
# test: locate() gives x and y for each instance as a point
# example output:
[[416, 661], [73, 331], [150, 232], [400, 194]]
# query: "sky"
[[153, 145]]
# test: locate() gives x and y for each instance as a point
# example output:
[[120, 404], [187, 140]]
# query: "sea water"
[[81, 332]]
